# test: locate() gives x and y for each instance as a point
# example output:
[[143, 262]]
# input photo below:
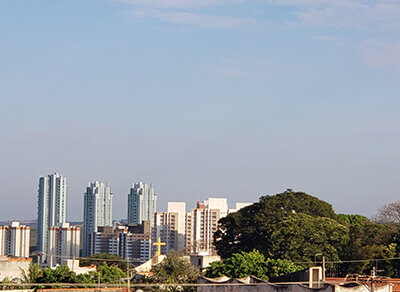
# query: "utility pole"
[[128, 275], [373, 275]]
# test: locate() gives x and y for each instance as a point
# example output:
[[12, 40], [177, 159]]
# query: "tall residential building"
[[52, 205], [180, 209], [14, 240], [202, 223], [164, 225], [64, 243], [97, 210], [170, 227], [142, 203]]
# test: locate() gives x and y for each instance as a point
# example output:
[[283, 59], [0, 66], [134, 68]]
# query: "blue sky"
[[201, 98]]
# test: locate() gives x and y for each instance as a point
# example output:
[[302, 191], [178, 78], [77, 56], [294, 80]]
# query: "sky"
[[201, 98]]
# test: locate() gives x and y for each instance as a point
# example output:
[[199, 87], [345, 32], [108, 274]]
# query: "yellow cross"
[[159, 244]]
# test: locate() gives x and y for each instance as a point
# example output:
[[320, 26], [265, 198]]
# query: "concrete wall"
[[251, 284], [11, 267]]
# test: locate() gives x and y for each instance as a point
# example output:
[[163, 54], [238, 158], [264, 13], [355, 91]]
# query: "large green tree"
[[174, 270], [252, 227]]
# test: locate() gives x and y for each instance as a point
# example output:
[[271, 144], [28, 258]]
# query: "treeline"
[[295, 226]]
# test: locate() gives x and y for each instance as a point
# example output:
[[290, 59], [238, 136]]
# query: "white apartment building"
[[239, 206], [64, 243], [14, 240], [164, 225], [202, 223], [180, 209], [97, 210], [142, 203], [52, 208], [220, 204]]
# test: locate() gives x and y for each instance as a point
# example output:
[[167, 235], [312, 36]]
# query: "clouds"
[[358, 14], [178, 4], [189, 18], [189, 12], [346, 23]]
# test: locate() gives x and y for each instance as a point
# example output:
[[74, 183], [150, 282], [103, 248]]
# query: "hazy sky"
[[201, 98]]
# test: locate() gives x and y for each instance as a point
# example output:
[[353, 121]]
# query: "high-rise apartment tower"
[[52, 208], [97, 210], [142, 203]]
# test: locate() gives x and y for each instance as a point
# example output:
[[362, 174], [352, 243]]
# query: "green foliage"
[[104, 258], [174, 270], [34, 273], [296, 226], [110, 274], [61, 274], [252, 263], [252, 227], [298, 237], [368, 240]]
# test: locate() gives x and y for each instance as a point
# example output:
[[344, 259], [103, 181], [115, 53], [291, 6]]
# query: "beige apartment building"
[[64, 243], [14, 240]]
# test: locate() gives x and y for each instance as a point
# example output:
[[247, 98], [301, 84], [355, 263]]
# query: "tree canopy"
[[296, 226], [252, 227], [174, 270]]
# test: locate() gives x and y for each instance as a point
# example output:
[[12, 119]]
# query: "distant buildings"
[[97, 210], [52, 195], [132, 241], [189, 232], [64, 243], [14, 240], [170, 228], [165, 226], [180, 209], [105, 240], [135, 245], [142, 203]]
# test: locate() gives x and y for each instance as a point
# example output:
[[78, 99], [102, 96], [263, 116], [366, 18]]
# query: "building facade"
[[142, 203], [52, 208], [180, 209], [64, 243], [105, 240], [15, 240], [202, 223], [135, 245], [164, 225], [97, 210], [132, 241]]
